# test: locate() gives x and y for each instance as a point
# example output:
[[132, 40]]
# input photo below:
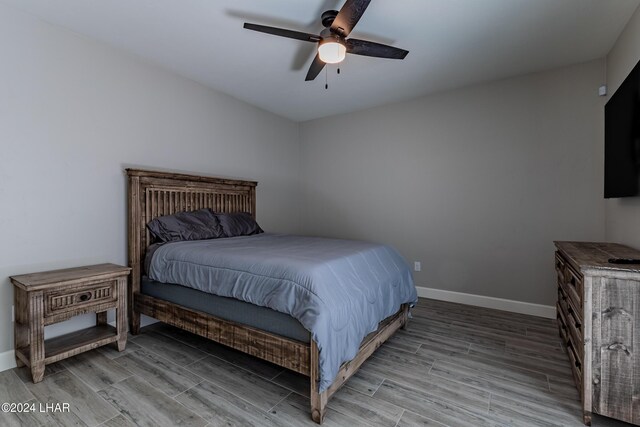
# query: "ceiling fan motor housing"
[[327, 36], [328, 17]]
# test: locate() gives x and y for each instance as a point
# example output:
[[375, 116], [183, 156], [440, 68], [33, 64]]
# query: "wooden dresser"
[[598, 313]]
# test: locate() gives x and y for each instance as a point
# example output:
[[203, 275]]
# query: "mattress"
[[231, 309], [339, 290]]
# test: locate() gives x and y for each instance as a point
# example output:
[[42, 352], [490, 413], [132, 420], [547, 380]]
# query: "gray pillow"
[[195, 225], [238, 224]]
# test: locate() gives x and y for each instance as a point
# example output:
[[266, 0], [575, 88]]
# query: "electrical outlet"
[[602, 90], [417, 266], [13, 313]]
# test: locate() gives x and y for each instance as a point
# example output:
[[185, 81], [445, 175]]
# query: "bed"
[[286, 317]]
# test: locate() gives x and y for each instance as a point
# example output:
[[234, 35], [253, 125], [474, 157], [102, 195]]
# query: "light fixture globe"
[[332, 51]]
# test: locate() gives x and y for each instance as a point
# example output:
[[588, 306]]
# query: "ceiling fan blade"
[[298, 35], [378, 50], [316, 66], [349, 16]]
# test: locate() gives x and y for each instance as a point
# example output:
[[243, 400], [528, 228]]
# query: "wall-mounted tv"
[[622, 139]]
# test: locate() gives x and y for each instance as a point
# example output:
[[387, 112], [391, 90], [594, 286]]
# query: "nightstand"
[[49, 297]]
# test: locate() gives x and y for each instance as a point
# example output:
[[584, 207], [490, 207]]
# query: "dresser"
[[598, 313]]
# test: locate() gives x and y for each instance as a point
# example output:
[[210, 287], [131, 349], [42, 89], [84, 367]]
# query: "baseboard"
[[7, 360], [540, 310]]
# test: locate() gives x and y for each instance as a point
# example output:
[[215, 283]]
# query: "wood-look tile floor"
[[455, 365]]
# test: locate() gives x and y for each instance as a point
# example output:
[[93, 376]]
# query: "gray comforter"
[[339, 290]]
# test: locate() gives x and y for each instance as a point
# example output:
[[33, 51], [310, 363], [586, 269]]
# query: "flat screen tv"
[[622, 139]]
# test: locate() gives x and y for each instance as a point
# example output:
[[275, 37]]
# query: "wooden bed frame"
[[153, 194]]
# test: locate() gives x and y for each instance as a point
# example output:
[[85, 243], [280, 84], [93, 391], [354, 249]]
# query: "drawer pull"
[[84, 297], [577, 324], [617, 311], [616, 346]]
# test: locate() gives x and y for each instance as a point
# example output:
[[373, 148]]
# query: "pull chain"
[[326, 77]]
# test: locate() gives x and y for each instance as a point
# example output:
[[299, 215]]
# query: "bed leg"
[[134, 322], [318, 406], [318, 400], [405, 316], [134, 288]]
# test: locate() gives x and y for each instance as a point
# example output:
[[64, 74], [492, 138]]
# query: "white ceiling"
[[452, 43]]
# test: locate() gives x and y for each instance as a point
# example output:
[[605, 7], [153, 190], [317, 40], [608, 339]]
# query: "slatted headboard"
[[154, 193]]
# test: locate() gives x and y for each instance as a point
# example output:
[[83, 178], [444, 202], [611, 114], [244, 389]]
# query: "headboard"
[[154, 193]]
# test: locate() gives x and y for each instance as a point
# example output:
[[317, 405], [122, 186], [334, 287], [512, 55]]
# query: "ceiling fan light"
[[332, 52]]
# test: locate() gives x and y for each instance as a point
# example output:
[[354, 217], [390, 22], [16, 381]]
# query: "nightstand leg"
[[36, 336], [20, 326], [586, 417], [37, 371], [122, 344], [121, 313]]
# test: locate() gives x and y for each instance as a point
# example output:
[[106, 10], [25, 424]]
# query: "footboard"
[[371, 342]]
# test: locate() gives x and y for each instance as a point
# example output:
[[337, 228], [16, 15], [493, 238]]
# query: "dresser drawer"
[[560, 268], [570, 280], [574, 324], [562, 297], [576, 366], [77, 299], [562, 324], [573, 286]]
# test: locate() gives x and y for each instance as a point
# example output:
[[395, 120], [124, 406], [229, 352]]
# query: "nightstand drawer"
[[76, 299]]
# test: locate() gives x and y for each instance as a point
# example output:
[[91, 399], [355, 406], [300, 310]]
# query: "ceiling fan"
[[333, 44]]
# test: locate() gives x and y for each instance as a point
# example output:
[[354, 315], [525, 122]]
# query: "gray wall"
[[474, 183], [623, 215], [74, 113]]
